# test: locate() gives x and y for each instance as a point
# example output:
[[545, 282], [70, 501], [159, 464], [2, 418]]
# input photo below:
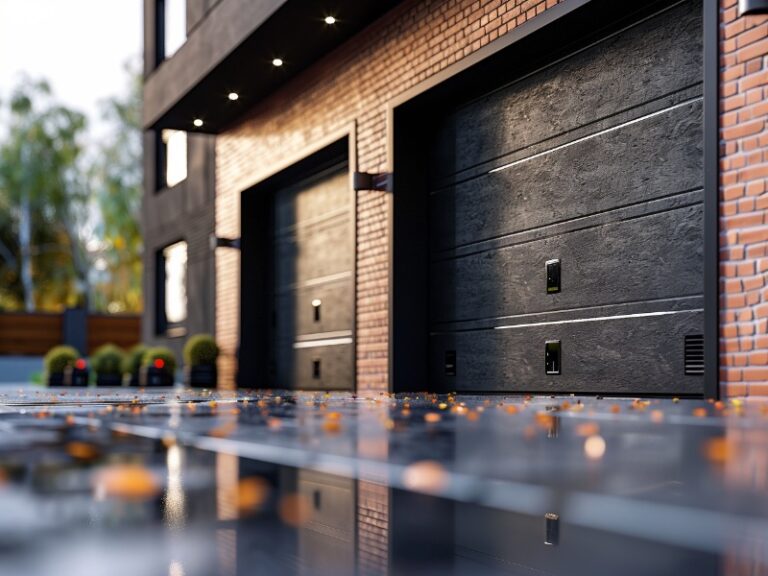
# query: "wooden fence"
[[35, 334]]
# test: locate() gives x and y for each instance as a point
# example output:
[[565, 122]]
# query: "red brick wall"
[[744, 202], [354, 83], [415, 41]]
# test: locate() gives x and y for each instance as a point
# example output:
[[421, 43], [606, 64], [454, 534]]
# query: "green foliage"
[[117, 182], [69, 214], [107, 360], [133, 358], [44, 201], [201, 350], [160, 353], [58, 358]]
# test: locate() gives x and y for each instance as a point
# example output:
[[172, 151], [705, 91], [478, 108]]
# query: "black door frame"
[[255, 201], [406, 116]]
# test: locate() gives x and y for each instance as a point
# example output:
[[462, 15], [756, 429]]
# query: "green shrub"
[[58, 358], [133, 358], [107, 360], [152, 355], [201, 350]]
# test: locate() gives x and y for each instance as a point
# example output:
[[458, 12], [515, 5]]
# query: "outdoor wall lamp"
[[368, 181], [217, 242], [747, 7]]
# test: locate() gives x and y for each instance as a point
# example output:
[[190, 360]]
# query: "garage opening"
[[553, 232], [297, 296]]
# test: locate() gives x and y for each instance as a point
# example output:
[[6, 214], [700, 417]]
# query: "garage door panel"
[[319, 367], [595, 161], [311, 252], [320, 198], [334, 312], [633, 355], [652, 158], [651, 60], [623, 261], [313, 260]]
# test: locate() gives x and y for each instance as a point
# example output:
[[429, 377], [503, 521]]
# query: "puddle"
[[189, 483]]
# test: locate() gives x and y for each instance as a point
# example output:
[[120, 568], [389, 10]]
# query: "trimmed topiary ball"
[[133, 358], [201, 350], [59, 357], [107, 360], [161, 358]]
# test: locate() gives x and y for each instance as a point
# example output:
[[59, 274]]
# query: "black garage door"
[[591, 166], [311, 294]]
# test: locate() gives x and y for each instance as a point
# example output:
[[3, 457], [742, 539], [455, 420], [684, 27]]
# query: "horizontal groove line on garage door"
[[601, 318], [570, 315], [626, 117], [321, 343], [296, 286], [596, 134], [640, 209], [324, 336]]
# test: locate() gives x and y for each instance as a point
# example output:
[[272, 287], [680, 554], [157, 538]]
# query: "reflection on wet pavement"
[[179, 482]]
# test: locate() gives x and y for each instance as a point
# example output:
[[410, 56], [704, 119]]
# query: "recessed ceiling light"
[[197, 122], [233, 96], [330, 20], [277, 62]]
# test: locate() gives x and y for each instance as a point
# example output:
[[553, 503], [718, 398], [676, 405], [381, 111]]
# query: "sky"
[[79, 46]]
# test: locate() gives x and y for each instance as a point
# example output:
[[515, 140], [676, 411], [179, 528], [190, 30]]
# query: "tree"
[[44, 196], [69, 216], [117, 182]]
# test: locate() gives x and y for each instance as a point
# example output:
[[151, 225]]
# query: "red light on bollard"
[[159, 363], [80, 364]]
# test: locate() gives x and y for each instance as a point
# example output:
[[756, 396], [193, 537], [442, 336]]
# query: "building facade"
[[179, 206], [532, 196]]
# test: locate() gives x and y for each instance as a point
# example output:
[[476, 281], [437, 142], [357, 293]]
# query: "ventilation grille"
[[694, 355]]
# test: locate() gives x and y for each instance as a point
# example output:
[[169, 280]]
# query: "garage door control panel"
[[553, 276], [552, 357]]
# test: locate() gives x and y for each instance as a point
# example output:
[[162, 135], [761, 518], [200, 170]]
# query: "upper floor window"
[[171, 158], [171, 26]]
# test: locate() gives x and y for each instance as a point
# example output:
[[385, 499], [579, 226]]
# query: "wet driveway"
[[177, 482]]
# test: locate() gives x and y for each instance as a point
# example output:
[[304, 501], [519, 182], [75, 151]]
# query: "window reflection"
[[175, 257], [175, 143], [175, 25]]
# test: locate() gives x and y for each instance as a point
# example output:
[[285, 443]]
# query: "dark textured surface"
[[659, 487], [624, 261], [314, 250], [613, 356], [654, 158], [649, 61], [598, 163]]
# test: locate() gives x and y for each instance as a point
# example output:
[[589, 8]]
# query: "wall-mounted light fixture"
[[367, 181], [218, 242], [233, 96], [747, 7], [197, 122], [330, 20], [277, 62]]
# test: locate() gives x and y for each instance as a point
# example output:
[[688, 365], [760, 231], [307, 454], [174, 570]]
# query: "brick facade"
[[419, 39], [744, 202], [352, 84]]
